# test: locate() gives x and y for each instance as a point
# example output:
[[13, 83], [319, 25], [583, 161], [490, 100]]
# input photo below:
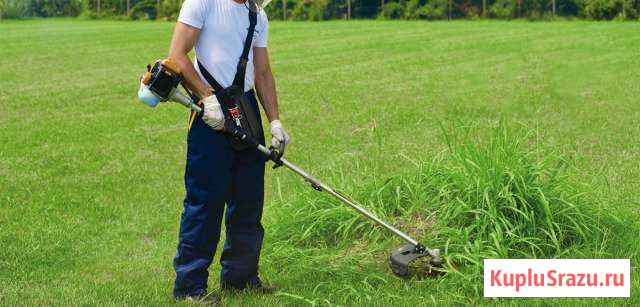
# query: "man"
[[217, 174]]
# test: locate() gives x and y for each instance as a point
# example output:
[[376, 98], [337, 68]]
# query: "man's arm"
[[265, 83], [266, 87], [184, 39]]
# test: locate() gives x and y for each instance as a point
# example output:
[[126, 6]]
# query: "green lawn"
[[91, 181]]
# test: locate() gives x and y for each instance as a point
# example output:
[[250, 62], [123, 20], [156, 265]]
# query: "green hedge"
[[337, 9]]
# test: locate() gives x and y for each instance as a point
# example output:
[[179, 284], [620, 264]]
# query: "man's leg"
[[244, 230], [207, 178]]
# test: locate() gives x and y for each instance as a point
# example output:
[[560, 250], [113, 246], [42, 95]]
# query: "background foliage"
[[339, 9]]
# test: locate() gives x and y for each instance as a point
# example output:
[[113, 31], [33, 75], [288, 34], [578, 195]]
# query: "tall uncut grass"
[[502, 196], [490, 194]]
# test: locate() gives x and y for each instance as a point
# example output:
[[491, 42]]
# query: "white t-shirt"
[[223, 28]]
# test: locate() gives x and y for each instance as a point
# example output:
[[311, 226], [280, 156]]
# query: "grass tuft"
[[502, 196], [497, 195]]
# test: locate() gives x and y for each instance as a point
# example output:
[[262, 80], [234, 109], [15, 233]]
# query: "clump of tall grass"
[[502, 196], [488, 195]]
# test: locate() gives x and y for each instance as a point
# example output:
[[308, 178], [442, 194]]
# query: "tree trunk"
[[284, 9], [348, 9], [553, 9], [450, 7], [128, 8], [98, 8], [484, 8], [519, 8], [381, 5]]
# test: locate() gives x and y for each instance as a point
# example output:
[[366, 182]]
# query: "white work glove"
[[213, 115], [280, 138]]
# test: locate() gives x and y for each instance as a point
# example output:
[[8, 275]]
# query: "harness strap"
[[212, 81], [244, 58], [242, 62]]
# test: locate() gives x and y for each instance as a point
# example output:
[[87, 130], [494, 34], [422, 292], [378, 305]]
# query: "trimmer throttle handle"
[[275, 154]]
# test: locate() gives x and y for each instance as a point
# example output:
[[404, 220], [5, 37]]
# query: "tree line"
[[339, 9]]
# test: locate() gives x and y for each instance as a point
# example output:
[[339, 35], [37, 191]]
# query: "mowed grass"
[[91, 181]]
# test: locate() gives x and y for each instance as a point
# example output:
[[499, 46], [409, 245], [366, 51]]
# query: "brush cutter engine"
[[162, 79], [159, 84]]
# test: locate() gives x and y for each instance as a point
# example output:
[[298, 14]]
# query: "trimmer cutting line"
[[160, 83]]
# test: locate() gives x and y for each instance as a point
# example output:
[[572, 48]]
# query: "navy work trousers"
[[216, 175]]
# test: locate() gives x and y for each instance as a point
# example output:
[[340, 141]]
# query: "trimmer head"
[[402, 257]]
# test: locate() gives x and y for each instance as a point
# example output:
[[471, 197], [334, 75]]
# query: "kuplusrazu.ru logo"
[[530, 279], [557, 278]]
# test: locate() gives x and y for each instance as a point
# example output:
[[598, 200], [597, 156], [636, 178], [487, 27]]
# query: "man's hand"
[[213, 115], [280, 138]]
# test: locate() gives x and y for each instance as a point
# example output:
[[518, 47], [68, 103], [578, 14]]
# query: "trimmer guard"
[[402, 257]]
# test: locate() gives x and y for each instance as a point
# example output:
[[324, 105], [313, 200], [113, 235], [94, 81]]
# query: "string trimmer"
[[160, 84]]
